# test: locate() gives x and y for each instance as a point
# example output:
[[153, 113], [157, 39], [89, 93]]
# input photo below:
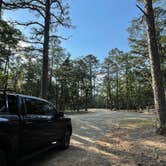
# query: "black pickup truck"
[[28, 124]]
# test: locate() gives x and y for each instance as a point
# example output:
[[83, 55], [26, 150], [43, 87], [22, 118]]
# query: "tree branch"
[[141, 10], [59, 37], [27, 23], [59, 4], [25, 5], [32, 42]]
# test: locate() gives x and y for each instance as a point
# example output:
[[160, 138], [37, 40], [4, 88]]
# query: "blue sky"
[[100, 26]]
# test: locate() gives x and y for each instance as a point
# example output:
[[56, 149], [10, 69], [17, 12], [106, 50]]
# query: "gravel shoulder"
[[105, 138]]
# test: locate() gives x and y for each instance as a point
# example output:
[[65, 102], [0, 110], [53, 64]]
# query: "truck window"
[[13, 105], [33, 107], [51, 109], [2, 103], [38, 107]]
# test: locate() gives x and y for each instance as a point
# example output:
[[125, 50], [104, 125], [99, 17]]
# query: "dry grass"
[[130, 142]]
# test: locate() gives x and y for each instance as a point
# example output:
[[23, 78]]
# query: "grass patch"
[[136, 123]]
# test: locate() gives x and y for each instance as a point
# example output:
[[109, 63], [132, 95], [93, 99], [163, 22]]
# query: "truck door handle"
[[28, 123]]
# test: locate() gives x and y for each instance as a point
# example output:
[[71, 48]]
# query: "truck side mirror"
[[61, 114]]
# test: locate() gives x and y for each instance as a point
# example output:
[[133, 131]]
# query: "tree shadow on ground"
[[133, 143], [120, 156], [70, 157]]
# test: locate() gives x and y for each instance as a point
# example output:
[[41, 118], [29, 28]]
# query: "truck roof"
[[24, 96]]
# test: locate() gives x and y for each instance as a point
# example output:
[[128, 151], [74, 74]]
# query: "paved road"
[[88, 132]]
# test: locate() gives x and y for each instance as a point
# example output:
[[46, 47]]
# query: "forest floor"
[[105, 138]]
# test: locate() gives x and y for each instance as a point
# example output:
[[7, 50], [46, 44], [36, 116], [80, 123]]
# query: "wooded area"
[[36, 64]]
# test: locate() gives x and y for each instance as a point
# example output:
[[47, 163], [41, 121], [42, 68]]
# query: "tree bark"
[[51, 72], [86, 101], [108, 88], [117, 90], [91, 87], [44, 84], [157, 79], [0, 9], [127, 87]]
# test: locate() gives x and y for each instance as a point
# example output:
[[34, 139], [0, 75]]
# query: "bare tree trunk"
[[127, 89], [91, 86], [117, 90], [86, 96], [44, 84], [6, 71], [0, 9], [108, 88], [157, 80], [56, 94], [51, 72], [107, 99], [86, 101]]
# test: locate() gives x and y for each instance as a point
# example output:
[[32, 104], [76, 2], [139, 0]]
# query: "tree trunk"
[[157, 80], [86, 101], [127, 87], [107, 98], [86, 96], [108, 89], [56, 94], [6, 71], [91, 87], [51, 73], [44, 84], [117, 90], [0, 10]]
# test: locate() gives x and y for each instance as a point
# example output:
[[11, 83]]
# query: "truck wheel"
[[65, 142], [2, 158]]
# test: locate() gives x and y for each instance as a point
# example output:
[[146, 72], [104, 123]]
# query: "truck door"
[[56, 124], [34, 125]]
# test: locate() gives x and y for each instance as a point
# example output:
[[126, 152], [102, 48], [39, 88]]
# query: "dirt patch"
[[136, 143]]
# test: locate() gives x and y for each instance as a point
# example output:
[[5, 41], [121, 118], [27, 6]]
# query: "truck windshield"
[[2, 103]]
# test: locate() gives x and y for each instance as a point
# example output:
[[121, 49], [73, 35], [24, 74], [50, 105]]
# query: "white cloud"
[[24, 44]]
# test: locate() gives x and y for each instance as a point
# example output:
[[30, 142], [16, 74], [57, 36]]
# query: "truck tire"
[[3, 161], [65, 142]]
